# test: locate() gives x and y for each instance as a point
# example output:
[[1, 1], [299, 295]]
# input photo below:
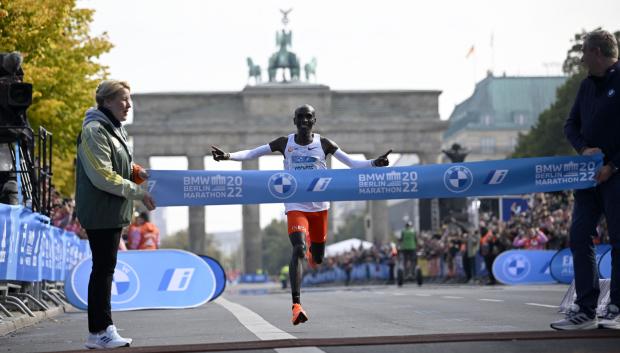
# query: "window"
[[485, 119], [519, 118], [487, 145]]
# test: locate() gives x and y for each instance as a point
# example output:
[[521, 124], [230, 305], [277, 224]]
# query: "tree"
[[180, 240], [276, 246], [546, 137], [353, 227], [60, 60]]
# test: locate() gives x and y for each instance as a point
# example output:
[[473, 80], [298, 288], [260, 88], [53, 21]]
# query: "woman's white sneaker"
[[107, 339]]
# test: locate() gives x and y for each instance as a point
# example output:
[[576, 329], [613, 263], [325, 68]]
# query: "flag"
[[470, 51]]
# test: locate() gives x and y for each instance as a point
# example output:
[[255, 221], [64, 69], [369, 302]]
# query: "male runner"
[[307, 222]]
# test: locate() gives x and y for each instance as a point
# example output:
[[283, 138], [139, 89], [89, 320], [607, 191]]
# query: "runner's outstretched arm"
[[343, 157], [273, 146]]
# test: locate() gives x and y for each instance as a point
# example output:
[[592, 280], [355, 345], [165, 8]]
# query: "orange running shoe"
[[299, 315], [309, 258]]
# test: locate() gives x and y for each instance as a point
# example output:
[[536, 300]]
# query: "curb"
[[12, 324]]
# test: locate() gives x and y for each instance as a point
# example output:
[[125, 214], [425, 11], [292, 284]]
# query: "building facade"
[[489, 122]]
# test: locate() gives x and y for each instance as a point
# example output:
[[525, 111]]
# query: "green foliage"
[[352, 228], [60, 61], [180, 240], [276, 246], [546, 137]]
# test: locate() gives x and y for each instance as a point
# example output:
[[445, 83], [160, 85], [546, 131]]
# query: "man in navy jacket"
[[594, 127]]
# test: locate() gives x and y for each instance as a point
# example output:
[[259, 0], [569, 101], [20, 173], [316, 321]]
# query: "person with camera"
[[106, 184]]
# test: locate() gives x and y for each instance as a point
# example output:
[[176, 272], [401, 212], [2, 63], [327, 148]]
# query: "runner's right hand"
[[218, 154]]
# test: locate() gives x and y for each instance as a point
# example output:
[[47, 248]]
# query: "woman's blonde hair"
[[108, 89]]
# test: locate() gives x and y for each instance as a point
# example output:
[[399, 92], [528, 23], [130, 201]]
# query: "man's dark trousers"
[[590, 205]]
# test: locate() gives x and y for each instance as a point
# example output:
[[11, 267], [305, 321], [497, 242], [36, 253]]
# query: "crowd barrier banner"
[[253, 278], [524, 266], [562, 263], [604, 264], [501, 177], [32, 250], [154, 279], [219, 273]]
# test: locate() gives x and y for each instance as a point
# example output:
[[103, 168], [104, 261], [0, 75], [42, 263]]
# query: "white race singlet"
[[309, 157]]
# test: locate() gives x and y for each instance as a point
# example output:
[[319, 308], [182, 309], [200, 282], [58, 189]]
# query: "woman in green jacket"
[[106, 185]]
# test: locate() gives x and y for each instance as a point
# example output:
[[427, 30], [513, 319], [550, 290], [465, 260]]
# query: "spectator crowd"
[[452, 254]]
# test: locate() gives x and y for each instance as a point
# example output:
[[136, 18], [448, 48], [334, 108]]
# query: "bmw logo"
[[125, 283], [458, 178], [611, 93], [516, 267], [282, 185]]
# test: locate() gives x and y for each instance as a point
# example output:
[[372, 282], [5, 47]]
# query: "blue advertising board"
[[153, 279], [604, 264], [513, 206], [524, 267], [219, 273], [562, 263]]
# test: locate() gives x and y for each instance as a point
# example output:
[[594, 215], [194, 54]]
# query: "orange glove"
[[135, 174]]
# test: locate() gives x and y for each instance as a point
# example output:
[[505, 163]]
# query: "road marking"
[[261, 328], [451, 297], [491, 300], [422, 295], [543, 305]]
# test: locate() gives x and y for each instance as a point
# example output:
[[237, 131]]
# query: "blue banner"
[[604, 264], [149, 279], [524, 267], [253, 278], [501, 177], [32, 250], [562, 263]]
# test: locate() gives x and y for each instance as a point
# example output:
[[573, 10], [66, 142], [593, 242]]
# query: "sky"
[[202, 45]]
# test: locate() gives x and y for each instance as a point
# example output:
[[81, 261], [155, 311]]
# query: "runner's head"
[[305, 117]]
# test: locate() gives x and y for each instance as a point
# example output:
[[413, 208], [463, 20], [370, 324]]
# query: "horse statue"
[[310, 69], [254, 71], [284, 59]]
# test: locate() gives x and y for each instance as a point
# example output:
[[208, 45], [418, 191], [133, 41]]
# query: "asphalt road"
[[432, 318]]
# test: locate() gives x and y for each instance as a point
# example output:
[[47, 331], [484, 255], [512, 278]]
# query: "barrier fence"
[[32, 250], [511, 267]]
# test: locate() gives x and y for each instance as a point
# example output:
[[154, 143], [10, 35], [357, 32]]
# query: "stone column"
[[331, 227], [197, 231], [252, 235], [379, 221], [432, 158], [378, 215]]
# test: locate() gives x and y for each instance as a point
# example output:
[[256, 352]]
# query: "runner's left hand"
[[382, 161]]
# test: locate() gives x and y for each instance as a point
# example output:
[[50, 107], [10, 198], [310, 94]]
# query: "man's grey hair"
[[603, 40]]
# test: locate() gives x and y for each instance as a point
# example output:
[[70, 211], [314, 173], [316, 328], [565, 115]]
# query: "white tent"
[[346, 246]]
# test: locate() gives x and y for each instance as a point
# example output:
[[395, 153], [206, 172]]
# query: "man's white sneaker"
[[107, 339], [611, 319], [575, 320]]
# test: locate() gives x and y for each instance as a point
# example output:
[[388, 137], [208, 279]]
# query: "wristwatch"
[[614, 168]]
